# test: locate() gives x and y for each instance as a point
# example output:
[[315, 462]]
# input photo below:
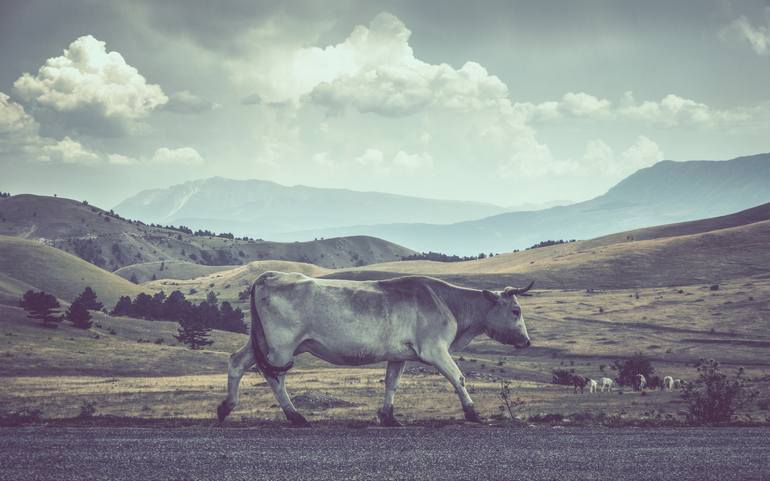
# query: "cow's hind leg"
[[392, 376], [239, 362], [278, 385], [439, 357]]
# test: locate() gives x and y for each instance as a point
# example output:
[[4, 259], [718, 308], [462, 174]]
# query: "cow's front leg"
[[392, 376], [239, 362], [440, 358], [278, 385]]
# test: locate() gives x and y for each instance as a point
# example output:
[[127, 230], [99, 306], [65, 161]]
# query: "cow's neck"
[[470, 309]]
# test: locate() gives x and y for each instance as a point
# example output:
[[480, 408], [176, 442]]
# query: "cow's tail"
[[259, 341]]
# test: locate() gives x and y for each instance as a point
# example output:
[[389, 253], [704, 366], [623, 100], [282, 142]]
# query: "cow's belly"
[[351, 352]]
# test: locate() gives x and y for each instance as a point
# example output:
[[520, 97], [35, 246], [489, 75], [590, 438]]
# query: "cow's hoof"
[[387, 419], [223, 410], [297, 420], [471, 415]]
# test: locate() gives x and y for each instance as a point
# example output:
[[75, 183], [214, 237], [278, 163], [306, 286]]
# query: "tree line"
[[175, 307]]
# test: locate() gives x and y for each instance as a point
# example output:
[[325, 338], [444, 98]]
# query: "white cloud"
[[182, 155], [119, 159], [582, 104], [13, 118], [670, 111], [371, 158], [68, 151], [756, 36], [374, 70], [92, 86], [600, 159], [404, 161], [186, 102], [642, 153]]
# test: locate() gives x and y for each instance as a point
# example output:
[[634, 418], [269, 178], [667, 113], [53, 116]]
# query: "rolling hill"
[[259, 208], [705, 251], [26, 264], [664, 193], [111, 242], [150, 271]]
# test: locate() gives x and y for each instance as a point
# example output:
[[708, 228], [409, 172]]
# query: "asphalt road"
[[448, 453]]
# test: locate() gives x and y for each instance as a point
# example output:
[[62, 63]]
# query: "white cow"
[[592, 386], [606, 383], [640, 382], [668, 383], [352, 323]]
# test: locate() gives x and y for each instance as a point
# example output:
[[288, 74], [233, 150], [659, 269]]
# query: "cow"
[[606, 383], [592, 385], [640, 382], [678, 384], [668, 383], [352, 323], [579, 382]]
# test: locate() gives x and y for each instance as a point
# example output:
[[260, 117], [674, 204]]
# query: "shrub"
[[562, 376], [627, 369], [87, 409], [714, 396]]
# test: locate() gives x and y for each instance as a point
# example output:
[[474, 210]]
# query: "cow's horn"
[[519, 291]]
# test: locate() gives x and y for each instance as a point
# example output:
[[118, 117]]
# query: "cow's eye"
[[516, 312]]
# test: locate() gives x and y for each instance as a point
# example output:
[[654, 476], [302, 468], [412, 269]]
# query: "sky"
[[494, 101]]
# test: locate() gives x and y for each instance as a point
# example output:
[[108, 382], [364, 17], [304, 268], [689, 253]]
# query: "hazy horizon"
[[503, 103]]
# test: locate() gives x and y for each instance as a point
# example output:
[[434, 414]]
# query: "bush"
[[19, 416], [41, 306], [562, 377], [627, 369], [87, 409], [713, 396]]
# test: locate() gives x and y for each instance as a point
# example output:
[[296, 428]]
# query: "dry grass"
[[57, 369]]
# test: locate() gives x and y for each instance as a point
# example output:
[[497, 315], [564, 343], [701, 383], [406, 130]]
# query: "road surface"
[[448, 453]]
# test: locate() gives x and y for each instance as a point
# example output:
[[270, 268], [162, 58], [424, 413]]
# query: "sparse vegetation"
[[547, 243], [509, 404], [714, 396], [627, 369]]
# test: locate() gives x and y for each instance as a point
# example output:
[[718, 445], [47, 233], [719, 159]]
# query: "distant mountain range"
[[665, 193], [264, 209]]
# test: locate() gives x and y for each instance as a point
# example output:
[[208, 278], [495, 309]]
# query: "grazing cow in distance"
[[579, 382], [640, 382], [606, 383], [352, 323], [592, 386], [678, 384], [668, 383]]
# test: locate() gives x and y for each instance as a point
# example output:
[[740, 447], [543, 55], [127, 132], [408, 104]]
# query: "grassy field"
[[119, 367], [25, 264]]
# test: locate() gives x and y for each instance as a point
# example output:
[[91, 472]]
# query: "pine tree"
[[89, 301], [231, 319], [78, 315], [123, 307], [41, 306], [194, 333]]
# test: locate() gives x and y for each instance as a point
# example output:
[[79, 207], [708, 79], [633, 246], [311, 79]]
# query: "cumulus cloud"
[[186, 102], [758, 37], [405, 161], [182, 156], [600, 159], [93, 89], [371, 158], [374, 70], [68, 151], [582, 104], [13, 118]]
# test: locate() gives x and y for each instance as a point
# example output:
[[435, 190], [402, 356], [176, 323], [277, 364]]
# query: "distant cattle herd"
[[640, 383]]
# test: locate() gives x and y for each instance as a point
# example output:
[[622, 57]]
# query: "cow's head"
[[505, 321]]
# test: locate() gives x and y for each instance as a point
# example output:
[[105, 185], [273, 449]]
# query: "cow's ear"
[[490, 296]]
